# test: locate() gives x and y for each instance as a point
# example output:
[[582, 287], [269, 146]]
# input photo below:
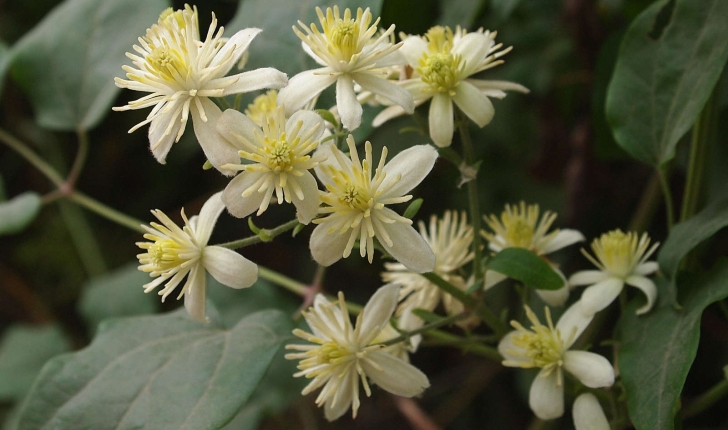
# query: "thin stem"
[[707, 399], [269, 235], [448, 339], [31, 157], [425, 328], [78, 162], [669, 206], [106, 211], [284, 281], [648, 204], [469, 155], [83, 239]]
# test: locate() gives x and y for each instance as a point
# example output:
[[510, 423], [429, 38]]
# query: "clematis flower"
[[262, 106], [547, 347], [355, 205], [588, 413], [182, 72], [339, 355], [350, 51], [278, 161], [450, 239], [175, 253], [444, 63], [621, 259], [520, 227]]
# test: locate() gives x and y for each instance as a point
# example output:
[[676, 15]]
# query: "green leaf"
[[684, 237], [156, 372], [658, 349], [4, 62], [233, 304], [277, 46], [67, 63], [117, 294], [662, 81], [24, 350], [458, 12], [526, 267], [17, 213]]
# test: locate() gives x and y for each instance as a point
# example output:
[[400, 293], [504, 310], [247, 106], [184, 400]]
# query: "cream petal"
[[386, 89], [308, 207], [409, 248], [349, 108], [587, 277], [555, 298], [195, 294], [485, 85], [265, 77], [376, 313], [441, 120], [344, 396], [207, 218], [234, 125], [591, 369], [303, 87], [328, 149], [159, 143], [572, 323], [588, 413], [646, 286], [327, 249], [474, 104], [236, 204], [563, 239], [387, 114], [546, 397], [234, 49], [509, 350], [600, 295], [217, 149], [492, 278], [412, 48], [646, 268], [474, 48], [394, 375], [229, 268], [395, 58], [310, 121], [408, 168], [307, 50]]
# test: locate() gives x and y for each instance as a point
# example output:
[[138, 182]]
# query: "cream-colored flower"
[[621, 258], [182, 72], [547, 347], [350, 51], [355, 205], [262, 106], [444, 63], [340, 355], [450, 239], [175, 252], [519, 226], [277, 162], [588, 413]]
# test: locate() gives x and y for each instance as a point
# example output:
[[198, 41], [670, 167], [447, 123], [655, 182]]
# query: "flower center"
[[519, 232], [441, 71], [280, 155], [542, 346], [164, 255], [618, 252], [344, 36], [332, 353], [356, 197], [439, 39], [167, 63]]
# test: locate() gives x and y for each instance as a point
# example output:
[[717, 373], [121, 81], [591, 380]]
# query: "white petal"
[[234, 125], [413, 48], [507, 349], [492, 278], [237, 44], [395, 376], [386, 89], [647, 287], [441, 120], [588, 413], [474, 104], [236, 204], [473, 47], [303, 87], [328, 149], [308, 207], [229, 268], [217, 149], [159, 143], [349, 108], [555, 298], [485, 85], [546, 397], [327, 249], [591, 369], [600, 295], [310, 120], [195, 294], [387, 114], [209, 214], [345, 395], [265, 77], [411, 166], [563, 239], [587, 277], [572, 323], [409, 248], [646, 268], [377, 312]]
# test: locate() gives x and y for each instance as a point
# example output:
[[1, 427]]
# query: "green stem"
[[83, 239], [469, 155], [707, 399], [425, 328], [284, 281], [448, 339], [669, 206], [31, 157], [648, 204], [269, 235], [78, 162], [106, 211]]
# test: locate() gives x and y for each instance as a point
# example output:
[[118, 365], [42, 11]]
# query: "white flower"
[[443, 64], [182, 72], [174, 253], [547, 347], [520, 227], [278, 161], [450, 239], [342, 355], [262, 106], [355, 205], [588, 413], [350, 52], [621, 258]]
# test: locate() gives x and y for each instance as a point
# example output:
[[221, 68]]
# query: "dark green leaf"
[[4, 62], [660, 85], [23, 352], [18, 212], [684, 237], [526, 267], [156, 372], [458, 12], [657, 349], [118, 294], [68, 62]]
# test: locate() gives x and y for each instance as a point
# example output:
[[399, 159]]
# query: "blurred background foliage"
[[70, 268]]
